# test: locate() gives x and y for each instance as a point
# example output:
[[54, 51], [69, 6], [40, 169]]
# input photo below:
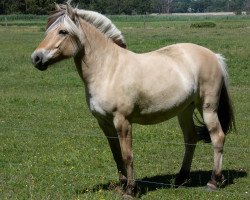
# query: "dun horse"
[[123, 87]]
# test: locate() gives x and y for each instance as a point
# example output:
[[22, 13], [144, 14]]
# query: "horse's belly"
[[157, 114], [152, 118]]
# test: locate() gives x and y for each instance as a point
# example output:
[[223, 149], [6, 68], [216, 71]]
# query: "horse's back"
[[192, 54]]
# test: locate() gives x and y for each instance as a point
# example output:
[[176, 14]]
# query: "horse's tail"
[[225, 109]]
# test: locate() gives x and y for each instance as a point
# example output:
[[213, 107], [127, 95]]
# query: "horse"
[[123, 87]]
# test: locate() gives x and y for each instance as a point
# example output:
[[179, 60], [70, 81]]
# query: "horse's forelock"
[[53, 17], [72, 27], [60, 11], [68, 13], [63, 14]]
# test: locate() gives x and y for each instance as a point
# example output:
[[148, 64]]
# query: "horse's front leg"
[[124, 131], [111, 134]]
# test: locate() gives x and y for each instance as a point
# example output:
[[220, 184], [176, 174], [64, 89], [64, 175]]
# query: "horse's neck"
[[97, 53]]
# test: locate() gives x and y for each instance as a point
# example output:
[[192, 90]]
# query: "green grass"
[[51, 146]]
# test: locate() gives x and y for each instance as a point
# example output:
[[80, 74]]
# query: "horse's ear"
[[71, 12], [57, 7]]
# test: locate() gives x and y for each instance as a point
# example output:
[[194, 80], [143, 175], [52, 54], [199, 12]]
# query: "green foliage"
[[42, 7], [238, 12], [203, 25], [51, 146]]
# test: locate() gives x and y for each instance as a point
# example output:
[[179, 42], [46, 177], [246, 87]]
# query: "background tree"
[[247, 6], [181, 6], [125, 6]]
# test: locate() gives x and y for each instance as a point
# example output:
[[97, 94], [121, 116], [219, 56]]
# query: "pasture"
[[52, 148]]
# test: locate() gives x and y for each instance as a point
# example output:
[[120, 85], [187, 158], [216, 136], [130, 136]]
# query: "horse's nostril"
[[38, 59]]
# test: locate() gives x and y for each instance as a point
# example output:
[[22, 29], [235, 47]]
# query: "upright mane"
[[99, 21]]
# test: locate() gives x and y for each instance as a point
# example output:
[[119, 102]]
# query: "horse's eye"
[[63, 32]]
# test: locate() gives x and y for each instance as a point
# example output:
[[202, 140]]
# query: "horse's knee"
[[128, 159]]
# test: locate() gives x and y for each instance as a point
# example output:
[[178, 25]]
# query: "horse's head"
[[62, 38]]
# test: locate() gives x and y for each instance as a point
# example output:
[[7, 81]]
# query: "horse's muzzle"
[[40, 60]]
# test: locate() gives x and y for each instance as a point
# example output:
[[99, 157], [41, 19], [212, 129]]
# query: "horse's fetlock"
[[217, 180], [122, 178], [218, 177]]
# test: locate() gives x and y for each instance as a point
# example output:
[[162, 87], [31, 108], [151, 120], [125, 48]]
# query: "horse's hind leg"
[[212, 122], [190, 138]]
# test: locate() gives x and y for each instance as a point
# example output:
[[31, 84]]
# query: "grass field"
[[51, 146]]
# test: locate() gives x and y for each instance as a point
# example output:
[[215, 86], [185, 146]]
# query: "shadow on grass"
[[147, 184], [198, 179]]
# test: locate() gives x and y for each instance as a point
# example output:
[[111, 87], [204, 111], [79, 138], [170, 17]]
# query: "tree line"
[[129, 7]]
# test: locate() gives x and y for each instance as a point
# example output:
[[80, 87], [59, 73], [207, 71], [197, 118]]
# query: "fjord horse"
[[123, 87]]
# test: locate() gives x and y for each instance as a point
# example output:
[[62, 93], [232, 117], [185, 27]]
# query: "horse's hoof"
[[127, 197], [130, 191], [211, 186], [182, 183], [182, 179], [216, 183]]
